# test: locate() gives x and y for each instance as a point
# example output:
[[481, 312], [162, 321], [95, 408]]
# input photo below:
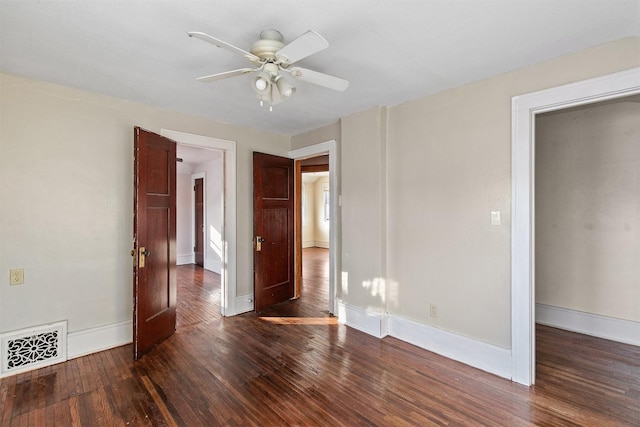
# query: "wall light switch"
[[495, 218]]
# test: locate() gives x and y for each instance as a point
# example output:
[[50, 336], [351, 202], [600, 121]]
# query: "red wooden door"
[[273, 222], [154, 241], [199, 231]]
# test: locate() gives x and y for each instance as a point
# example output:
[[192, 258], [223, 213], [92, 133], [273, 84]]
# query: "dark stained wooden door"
[[154, 241], [198, 188], [273, 223]]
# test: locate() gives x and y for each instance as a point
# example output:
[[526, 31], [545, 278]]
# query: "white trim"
[[320, 244], [244, 304], [229, 260], [610, 328], [214, 266], [92, 340], [523, 111], [358, 318], [489, 358], [185, 259], [328, 147]]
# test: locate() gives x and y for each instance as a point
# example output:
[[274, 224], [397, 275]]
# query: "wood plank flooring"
[[295, 365]]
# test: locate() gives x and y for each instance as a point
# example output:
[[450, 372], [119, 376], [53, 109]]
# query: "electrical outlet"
[[433, 311], [16, 276]]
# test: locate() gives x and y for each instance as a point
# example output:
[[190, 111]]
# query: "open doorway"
[[199, 207], [524, 111], [587, 243], [227, 229], [314, 216], [199, 225], [327, 152]]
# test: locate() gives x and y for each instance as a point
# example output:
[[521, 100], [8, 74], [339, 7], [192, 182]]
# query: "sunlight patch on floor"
[[301, 320]]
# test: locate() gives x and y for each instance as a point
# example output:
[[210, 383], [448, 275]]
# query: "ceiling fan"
[[272, 58]]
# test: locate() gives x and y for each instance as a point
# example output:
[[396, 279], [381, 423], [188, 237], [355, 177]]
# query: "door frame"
[[327, 147], [524, 109], [195, 176], [228, 257]]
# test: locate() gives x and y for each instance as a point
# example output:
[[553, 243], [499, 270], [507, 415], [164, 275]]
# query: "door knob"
[[142, 257], [259, 240]]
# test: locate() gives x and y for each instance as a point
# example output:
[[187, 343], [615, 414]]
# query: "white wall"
[[66, 196], [588, 209], [184, 216], [315, 230], [308, 215], [320, 226], [213, 171]]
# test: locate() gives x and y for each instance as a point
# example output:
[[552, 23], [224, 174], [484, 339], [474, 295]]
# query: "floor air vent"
[[33, 348]]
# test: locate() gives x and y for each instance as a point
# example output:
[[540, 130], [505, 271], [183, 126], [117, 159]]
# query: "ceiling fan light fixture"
[[271, 57], [285, 88], [262, 83]]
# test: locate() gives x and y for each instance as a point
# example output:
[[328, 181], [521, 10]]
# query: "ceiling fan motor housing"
[[270, 42]]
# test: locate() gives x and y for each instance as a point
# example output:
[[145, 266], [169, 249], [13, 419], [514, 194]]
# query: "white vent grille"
[[33, 348]]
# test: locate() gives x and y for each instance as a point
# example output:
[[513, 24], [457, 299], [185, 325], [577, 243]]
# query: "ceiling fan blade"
[[305, 45], [224, 45], [226, 75], [331, 82]]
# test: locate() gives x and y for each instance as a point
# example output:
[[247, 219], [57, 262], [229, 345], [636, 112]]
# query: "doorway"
[[524, 110], [200, 205], [327, 148], [227, 229], [314, 228]]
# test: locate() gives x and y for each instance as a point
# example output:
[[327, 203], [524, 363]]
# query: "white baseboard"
[[214, 266], [487, 357], [185, 259], [92, 340], [362, 320], [315, 244], [610, 328], [244, 304]]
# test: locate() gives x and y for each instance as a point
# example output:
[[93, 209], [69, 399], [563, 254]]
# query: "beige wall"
[[588, 209], [321, 227], [66, 194], [315, 230], [419, 184], [308, 220], [184, 215], [449, 167], [363, 210]]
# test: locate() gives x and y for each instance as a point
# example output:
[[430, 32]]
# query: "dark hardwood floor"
[[295, 365]]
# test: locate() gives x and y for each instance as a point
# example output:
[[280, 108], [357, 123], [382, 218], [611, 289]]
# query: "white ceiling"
[[391, 51]]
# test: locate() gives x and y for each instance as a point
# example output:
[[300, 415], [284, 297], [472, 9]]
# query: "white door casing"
[[523, 111]]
